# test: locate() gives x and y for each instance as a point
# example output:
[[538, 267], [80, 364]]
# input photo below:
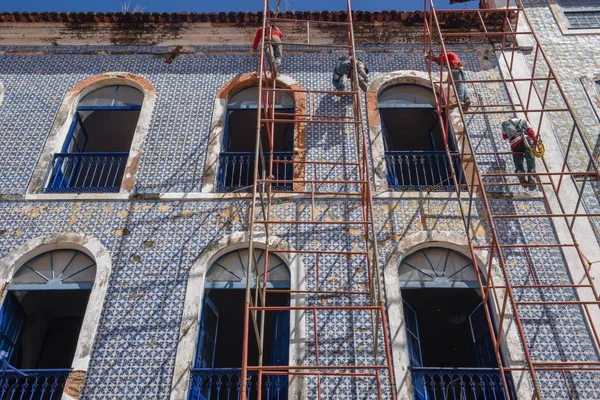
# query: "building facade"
[[127, 144]]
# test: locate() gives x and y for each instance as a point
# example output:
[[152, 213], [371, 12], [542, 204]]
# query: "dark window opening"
[[236, 162], [219, 351], [415, 153], [450, 345], [51, 321], [95, 153]]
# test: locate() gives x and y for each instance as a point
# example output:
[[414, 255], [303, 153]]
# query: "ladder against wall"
[[340, 309], [532, 283]]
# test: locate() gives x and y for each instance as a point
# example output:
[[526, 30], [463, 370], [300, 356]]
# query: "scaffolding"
[[360, 299], [535, 93]]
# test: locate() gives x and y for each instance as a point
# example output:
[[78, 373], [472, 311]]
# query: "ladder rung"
[[307, 91], [362, 253], [307, 21], [264, 222], [319, 292], [334, 46], [310, 181], [309, 121], [518, 216], [318, 194]]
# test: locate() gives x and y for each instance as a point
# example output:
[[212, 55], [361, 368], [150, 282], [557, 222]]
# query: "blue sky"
[[222, 5]]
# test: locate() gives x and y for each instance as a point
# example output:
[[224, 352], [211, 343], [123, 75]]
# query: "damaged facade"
[[124, 215]]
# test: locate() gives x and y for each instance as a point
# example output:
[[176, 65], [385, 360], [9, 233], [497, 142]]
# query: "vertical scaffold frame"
[[560, 184], [263, 220]]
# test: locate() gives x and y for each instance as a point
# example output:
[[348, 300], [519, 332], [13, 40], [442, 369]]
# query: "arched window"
[[414, 147], [236, 162], [40, 321], [94, 154], [217, 361], [449, 342]]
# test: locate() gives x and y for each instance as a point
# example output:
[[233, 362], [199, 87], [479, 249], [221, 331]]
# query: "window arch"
[[41, 317], [56, 269], [437, 267], [415, 153], [229, 271], [236, 162], [94, 154]]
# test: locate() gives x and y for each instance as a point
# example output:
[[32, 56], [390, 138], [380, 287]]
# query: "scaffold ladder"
[[359, 298], [507, 296]]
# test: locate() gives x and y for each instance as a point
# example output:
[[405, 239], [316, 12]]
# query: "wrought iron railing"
[[86, 172], [236, 171], [420, 170], [38, 384], [460, 384], [225, 384]]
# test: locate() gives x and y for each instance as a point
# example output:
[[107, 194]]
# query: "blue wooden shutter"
[[414, 349], [281, 351], [480, 336], [12, 322], [207, 335]]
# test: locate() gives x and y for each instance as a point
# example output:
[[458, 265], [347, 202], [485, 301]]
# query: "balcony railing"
[[225, 384], [37, 384], [420, 170], [86, 172], [236, 171], [460, 384]]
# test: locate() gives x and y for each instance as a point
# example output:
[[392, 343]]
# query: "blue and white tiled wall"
[[153, 244]]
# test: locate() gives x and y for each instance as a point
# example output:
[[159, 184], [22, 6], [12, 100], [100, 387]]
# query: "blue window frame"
[[94, 154], [210, 380], [581, 14], [236, 161], [12, 322], [415, 153]]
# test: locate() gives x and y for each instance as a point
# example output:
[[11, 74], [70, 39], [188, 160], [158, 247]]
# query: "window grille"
[[581, 14]]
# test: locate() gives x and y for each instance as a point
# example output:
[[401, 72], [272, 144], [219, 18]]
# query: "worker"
[[522, 138], [275, 48], [458, 75], [343, 68]]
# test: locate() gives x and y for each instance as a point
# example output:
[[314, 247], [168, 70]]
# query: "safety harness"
[[536, 150]]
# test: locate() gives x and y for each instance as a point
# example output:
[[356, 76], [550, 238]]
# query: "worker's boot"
[[466, 104], [523, 181], [532, 182]]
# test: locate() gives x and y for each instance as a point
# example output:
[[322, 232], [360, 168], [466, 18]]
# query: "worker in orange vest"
[[456, 68], [275, 48]]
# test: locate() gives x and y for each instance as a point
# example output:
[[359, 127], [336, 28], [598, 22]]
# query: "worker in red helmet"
[[456, 68], [275, 48]]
